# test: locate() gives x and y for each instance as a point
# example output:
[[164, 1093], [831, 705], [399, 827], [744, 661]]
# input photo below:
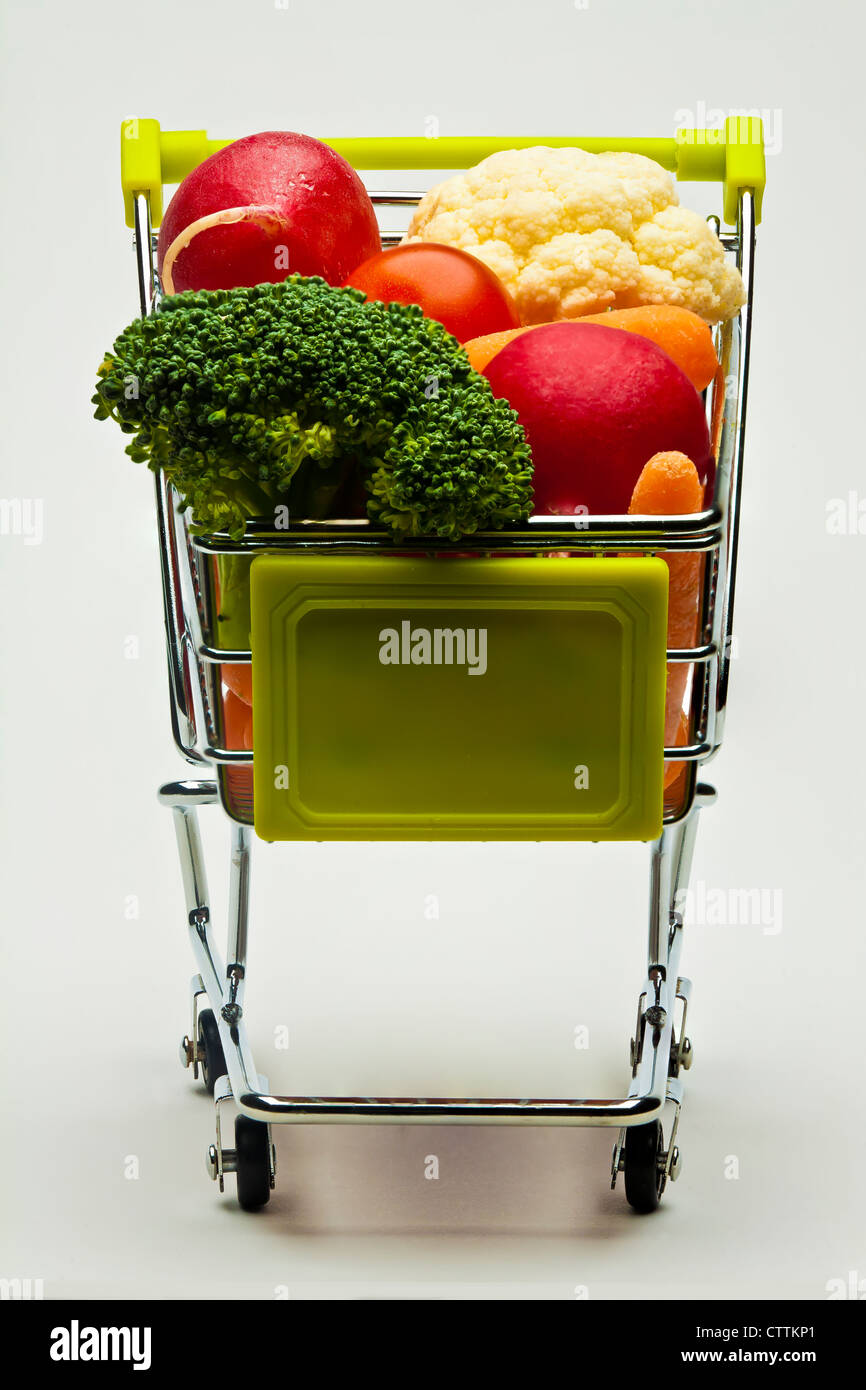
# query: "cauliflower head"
[[573, 233]]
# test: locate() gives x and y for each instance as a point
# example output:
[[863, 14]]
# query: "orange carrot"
[[237, 720], [669, 485], [238, 729], [684, 336], [239, 679], [481, 350], [674, 771]]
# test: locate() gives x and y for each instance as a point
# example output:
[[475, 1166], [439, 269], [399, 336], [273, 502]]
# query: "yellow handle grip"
[[150, 157]]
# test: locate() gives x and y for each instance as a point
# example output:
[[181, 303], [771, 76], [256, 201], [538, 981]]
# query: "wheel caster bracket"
[[253, 1158]]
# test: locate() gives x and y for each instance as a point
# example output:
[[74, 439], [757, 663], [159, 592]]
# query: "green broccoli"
[[278, 394]]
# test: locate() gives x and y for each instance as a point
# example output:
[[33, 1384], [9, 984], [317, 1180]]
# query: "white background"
[[531, 941]]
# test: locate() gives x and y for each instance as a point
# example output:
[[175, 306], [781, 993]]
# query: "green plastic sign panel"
[[402, 698]]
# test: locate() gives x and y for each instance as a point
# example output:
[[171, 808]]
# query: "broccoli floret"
[[250, 398]]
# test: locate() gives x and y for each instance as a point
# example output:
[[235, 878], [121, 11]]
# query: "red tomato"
[[450, 285]]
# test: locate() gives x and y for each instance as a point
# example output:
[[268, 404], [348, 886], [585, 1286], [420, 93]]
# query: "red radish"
[[596, 403], [262, 208]]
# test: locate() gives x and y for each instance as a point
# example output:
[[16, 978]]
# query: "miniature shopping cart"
[[583, 644]]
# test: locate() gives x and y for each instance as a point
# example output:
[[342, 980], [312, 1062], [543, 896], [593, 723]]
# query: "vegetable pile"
[[293, 364], [253, 398]]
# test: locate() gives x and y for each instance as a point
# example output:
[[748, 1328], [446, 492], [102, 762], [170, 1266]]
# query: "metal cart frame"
[[660, 1048]]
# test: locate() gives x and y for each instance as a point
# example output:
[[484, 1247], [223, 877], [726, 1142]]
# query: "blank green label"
[[461, 699]]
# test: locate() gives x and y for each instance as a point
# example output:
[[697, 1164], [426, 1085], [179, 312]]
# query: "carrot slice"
[[237, 720], [239, 679]]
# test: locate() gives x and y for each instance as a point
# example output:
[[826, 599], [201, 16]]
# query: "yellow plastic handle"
[[150, 157]]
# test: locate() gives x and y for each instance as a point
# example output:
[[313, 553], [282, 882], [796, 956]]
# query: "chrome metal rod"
[[219, 655], [696, 531], [243, 1076], [746, 262], [409, 198], [239, 902], [188, 794], [144, 253], [524, 543], [192, 865], [675, 753], [613, 1113], [655, 1030], [222, 990], [228, 756], [681, 867], [180, 695], [705, 652], [660, 897], [204, 679], [240, 656]]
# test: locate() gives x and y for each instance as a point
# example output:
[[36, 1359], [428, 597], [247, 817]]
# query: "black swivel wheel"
[[644, 1175], [211, 1056], [252, 1162]]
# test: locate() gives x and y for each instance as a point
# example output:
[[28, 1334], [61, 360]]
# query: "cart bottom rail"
[[447, 1110]]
